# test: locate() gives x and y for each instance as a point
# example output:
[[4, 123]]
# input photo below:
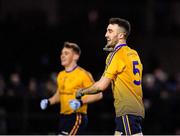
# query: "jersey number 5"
[[136, 71]]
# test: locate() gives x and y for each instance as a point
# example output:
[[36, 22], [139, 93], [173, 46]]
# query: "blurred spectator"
[[160, 75], [32, 88], [162, 80], [16, 87], [150, 89]]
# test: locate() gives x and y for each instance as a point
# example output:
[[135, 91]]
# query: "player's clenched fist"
[[75, 104], [44, 104], [79, 94]]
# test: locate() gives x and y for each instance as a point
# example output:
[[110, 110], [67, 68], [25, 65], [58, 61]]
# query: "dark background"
[[32, 33]]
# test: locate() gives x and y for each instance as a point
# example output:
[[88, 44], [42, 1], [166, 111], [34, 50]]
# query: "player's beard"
[[111, 43]]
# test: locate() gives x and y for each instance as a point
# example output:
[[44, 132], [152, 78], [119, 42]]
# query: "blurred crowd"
[[161, 98], [14, 86], [20, 99]]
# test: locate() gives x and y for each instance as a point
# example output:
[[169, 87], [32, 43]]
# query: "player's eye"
[[110, 31]]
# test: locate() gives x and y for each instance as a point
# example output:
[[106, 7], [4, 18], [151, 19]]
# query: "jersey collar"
[[68, 71], [119, 46]]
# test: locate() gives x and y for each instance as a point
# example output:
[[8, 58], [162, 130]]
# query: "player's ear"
[[121, 35], [76, 57]]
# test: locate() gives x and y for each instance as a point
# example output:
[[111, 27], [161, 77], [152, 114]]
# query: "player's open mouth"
[[108, 40]]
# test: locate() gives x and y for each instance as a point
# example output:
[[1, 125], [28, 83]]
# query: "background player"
[[73, 113]]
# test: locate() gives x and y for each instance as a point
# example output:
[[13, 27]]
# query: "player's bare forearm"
[[92, 98], [55, 98], [98, 86], [91, 90]]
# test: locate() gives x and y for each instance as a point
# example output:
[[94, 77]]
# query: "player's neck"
[[71, 67], [121, 42]]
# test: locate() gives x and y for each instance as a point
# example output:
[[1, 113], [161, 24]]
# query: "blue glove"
[[44, 104], [75, 104]]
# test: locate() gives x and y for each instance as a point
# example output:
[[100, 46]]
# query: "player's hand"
[[79, 94], [75, 104], [44, 104]]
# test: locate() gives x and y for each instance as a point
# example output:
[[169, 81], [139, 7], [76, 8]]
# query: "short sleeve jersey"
[[68, 84], [124, 67]]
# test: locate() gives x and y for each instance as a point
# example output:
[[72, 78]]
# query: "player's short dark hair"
[[121, 23], [73, 46]]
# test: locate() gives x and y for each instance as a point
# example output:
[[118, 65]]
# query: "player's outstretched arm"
[[97, 87], [77, 103], [45, 103]]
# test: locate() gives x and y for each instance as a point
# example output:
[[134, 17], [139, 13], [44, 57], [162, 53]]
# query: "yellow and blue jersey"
[[68, 84], [124, 67]]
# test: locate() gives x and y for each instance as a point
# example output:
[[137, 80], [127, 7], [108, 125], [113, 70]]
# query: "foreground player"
[[124, 71], [71, 79]]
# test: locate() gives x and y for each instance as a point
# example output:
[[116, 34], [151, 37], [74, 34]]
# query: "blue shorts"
[[129, 124], [73, 124]]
